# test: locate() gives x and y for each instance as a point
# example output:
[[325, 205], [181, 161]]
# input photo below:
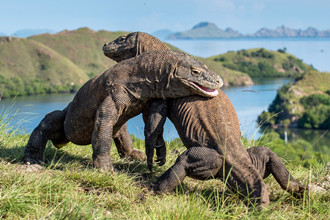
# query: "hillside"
[[305, 104], [28, 67], [83, 47], [260, 62], [49, 63]]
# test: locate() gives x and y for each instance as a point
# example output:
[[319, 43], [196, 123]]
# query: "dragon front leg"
[[105, 119]]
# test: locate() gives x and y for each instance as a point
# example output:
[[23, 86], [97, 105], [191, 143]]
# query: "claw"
[[160, 161]]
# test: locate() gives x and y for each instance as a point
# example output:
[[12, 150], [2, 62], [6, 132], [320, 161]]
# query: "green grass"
[[69, 188]]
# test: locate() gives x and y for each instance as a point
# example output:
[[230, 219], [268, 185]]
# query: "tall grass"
[[69, 188]]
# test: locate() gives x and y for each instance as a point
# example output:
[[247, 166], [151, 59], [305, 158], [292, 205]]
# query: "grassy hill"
[[260, 62], [27, 58], [50, 63], [83, 47], [27, 67], [304, 104]]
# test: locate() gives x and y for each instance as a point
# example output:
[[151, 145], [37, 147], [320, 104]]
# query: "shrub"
[[315, 100], [316, 117], [287, 65], [262, 53], [282, 50], [221, 59]]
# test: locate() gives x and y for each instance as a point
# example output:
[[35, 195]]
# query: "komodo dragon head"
[[131, 45], [195, 75]]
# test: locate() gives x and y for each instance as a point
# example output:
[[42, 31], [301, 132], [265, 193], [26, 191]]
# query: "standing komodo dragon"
[[210, 129], [123, 48], [107, 101]]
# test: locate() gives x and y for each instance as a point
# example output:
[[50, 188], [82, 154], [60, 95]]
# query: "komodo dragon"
[[120, 49], [210, 129], [136, 43], [107, 101]]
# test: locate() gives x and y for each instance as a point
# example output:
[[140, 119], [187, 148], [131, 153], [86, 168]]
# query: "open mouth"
[[206, 91]]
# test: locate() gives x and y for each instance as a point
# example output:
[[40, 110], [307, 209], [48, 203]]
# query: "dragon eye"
[[196, 72], [121, 38]]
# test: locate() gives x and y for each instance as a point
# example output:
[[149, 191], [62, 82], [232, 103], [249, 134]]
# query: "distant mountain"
[[233, 33], [162, 34], [2, 34], [30, 32], [205, 30], [283, 31]]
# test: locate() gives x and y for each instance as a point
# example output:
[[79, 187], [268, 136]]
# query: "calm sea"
[[248, 101]]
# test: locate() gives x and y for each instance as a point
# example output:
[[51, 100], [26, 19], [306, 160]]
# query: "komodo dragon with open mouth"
[[104, 103], [209, 128]]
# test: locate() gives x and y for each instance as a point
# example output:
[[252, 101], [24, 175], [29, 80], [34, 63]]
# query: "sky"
[[246, 16]]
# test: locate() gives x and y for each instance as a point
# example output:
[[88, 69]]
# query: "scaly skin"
[[210, 129], [132, 45], [104, 103], [215, 151]]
